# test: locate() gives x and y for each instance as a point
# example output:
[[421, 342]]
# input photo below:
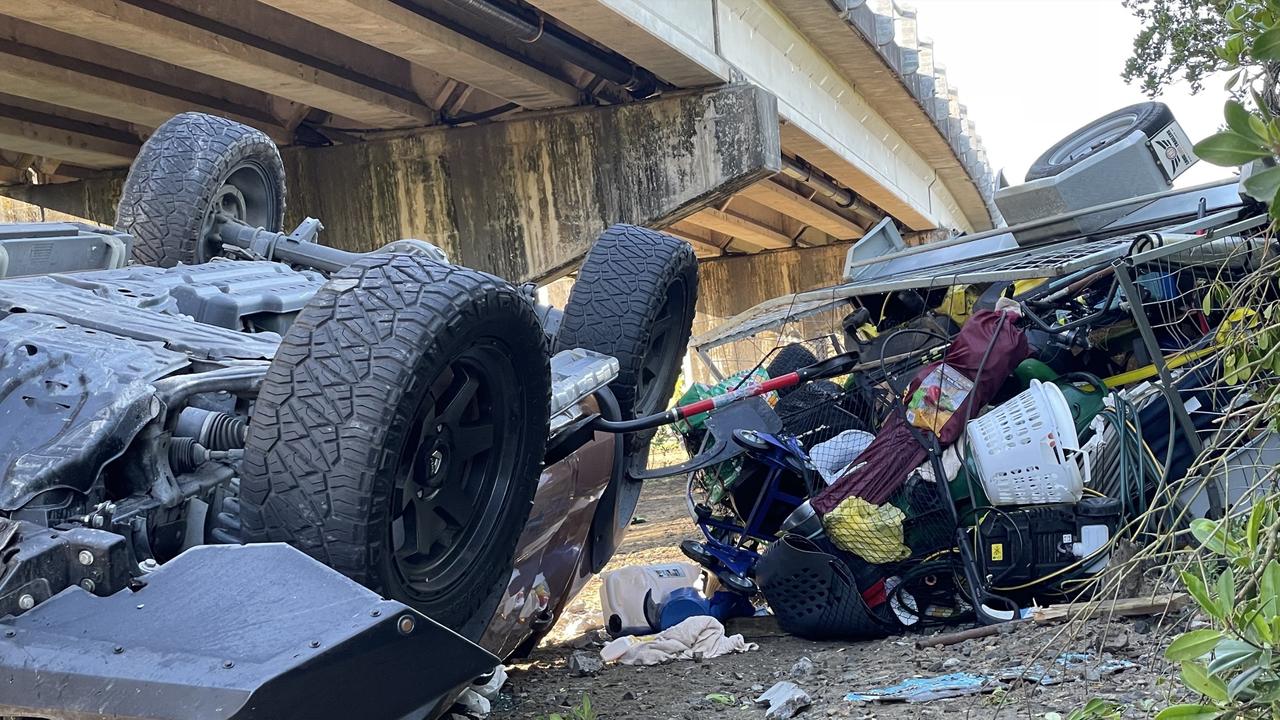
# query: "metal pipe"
[[844, 197], [639, 82], [245, 378], [291, 249], [1167, 384]]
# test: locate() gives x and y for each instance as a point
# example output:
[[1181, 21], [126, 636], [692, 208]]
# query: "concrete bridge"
[[510, 132]]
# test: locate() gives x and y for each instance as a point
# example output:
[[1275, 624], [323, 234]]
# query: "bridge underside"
[[510, 132]]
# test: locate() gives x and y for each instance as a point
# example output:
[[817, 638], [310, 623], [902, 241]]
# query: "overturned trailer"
[[1113, 299]]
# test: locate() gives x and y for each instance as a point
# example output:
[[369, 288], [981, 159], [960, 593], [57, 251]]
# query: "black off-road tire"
[[180, 170], [335, 421], [788, 360], [634, 299], [1149, 117]]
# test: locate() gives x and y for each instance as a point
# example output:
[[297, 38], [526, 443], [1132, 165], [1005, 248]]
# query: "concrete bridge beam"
[[523, 198], [160, 37], [407, 34], [526, 197]]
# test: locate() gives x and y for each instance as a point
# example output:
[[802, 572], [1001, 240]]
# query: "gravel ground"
[[543, 684]]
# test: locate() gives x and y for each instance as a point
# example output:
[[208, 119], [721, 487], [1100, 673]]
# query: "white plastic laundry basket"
[[1026, 450]]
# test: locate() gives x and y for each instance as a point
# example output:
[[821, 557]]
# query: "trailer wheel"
[[789, 359], [634, 299], [399, 434], [194, 166], [1149, 117]]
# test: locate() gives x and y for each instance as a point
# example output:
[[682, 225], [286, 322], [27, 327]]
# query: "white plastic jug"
[[623, 591]]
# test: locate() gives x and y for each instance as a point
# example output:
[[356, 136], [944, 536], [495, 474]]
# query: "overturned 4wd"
[[186, 435]]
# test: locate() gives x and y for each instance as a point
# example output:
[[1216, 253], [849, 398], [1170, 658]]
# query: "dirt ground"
[[543, 684]]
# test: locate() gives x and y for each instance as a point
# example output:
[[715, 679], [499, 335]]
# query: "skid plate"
[[227, 631]]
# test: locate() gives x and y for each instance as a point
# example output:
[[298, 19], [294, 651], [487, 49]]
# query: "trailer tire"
[[788, 360], [193, 164], [399, 434], [1149, 117], [634, 299]]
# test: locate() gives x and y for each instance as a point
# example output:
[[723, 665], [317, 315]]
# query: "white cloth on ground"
[[701, 634]]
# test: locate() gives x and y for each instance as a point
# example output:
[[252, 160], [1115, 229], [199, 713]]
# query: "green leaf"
[[1242, 682], [1266, 47], [1194, 644], [1263, 185], [1188, 712], [1253, 528], [1231, 363], [1269, 584], [1231, 654], [1259, 627], [1260, 104], [1227, 590], [1238, 121], [1195, 677], [1195, 585], [1228, 149], [1232, 49], [1211, 534]]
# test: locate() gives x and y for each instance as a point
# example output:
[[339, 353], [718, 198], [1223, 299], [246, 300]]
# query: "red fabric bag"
[[895, 452]]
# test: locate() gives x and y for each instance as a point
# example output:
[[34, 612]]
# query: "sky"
[[1032, 71]]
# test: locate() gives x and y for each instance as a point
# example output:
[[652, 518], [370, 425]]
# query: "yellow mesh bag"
[[871, 532]]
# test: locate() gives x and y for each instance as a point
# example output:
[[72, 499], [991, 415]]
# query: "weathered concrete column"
[[93, 199], [730, 285], [525, 198]]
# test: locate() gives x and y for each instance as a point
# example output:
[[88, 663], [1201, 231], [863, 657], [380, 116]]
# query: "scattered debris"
[[1127, 607], [954, 638], [472, 705], [496, 680], [591, 638], [701, 634], [784, 699], [802, 668], [1116, 641], [724, 699], [915, 690], [678, 689], [582, 664], [1067, 666], [476, 702]]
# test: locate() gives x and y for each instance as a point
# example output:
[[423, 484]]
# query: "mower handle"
[[831, 367]]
